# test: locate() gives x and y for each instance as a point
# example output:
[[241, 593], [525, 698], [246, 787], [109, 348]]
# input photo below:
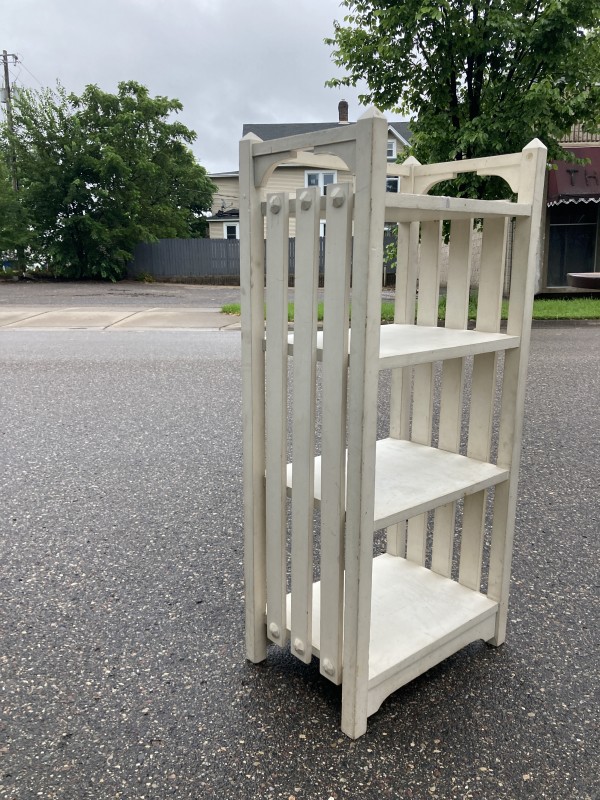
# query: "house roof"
[[230, 174], [578, 135], [266, 131], [400, 129], [229, 215]]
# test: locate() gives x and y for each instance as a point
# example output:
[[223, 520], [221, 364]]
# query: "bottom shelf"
[[418, 618]]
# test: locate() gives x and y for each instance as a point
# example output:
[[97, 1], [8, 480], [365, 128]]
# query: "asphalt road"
[[122, 664], [102, 293]]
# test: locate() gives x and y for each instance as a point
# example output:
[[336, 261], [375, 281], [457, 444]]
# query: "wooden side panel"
[[451, 398], [427, 314], [276, 413], [338, 251], [303, 425]]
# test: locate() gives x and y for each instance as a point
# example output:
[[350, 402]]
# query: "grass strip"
[[543, 308]]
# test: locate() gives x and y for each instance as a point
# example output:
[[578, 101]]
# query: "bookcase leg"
[[256, 603], [354, 709], [256, 645], [501, 556]]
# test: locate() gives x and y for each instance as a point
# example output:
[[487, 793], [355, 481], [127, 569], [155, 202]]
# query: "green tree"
[[14, 229], [479, 78], [102, 172]]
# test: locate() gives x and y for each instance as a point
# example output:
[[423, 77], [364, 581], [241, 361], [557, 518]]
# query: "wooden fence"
[[204, 260]]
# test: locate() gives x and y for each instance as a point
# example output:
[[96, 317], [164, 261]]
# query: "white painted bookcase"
[[443, 482]]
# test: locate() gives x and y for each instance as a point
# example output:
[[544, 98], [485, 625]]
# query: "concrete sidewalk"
[[115, 318]]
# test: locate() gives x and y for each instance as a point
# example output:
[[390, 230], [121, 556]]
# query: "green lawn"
[[554, 308]]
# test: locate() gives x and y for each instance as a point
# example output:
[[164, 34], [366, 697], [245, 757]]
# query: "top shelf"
[[428, 208]]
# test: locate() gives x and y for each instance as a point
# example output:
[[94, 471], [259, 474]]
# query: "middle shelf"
[[411, 478], [407, 345]]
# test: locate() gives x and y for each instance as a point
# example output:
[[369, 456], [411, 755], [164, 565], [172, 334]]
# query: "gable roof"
[[265, 131], [400, 130]]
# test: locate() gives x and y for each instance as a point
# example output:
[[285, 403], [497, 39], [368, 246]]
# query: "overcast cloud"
[[228, 61]]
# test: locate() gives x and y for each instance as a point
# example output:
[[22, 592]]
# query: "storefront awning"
[[573, 183], [561, 201]]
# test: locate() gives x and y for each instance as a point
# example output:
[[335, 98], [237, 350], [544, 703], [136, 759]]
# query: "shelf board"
[[427, 208], [418, 618], [407, 345], [412, 478]]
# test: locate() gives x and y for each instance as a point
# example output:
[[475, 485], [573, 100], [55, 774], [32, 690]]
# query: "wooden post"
[[526, 255], [371, 136], [253, 409]]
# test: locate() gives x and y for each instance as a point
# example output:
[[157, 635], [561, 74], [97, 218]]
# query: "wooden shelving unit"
[[376, 623]]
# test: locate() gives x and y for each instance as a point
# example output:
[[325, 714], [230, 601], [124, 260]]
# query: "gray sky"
[[228, 61]]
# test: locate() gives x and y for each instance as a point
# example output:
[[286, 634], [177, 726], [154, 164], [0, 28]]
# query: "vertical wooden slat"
[[369, 212], [338, 246], [429, 273], [451, 396], [303, 425], [483, 385], [406, 273], [427, 314], [253, 402], [276, 412], [401, 379]]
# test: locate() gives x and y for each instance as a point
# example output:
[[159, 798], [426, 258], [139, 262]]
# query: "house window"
[[231, 230], [320, 179], [391, 150], [392, 184]]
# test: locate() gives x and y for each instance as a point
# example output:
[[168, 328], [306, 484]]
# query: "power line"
[[20, 60]]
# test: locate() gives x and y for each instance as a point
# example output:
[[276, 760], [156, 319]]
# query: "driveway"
[[121, 603]]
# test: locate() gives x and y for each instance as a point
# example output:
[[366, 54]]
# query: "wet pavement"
[[122, 667]]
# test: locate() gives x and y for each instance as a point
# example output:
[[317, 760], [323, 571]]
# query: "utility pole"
[[9, 119], [12, 158]]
